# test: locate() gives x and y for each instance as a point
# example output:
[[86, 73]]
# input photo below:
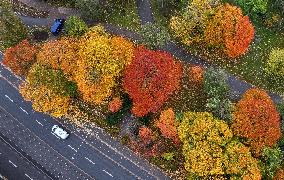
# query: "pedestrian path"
[[238, 87]]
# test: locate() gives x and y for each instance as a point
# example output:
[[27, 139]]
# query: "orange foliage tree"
[[20, 58], [115, 104], [146, 135], [150, 79], [60, 54], [230, 30], [257, 120], [167, 125]]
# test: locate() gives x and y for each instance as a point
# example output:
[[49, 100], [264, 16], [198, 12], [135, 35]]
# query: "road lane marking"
[[9, 98], [107, 173], [13, 164], [31, 132], [39, 122], [14, 86], [90, 160], [72, 148], [28, 177], [24, 110]]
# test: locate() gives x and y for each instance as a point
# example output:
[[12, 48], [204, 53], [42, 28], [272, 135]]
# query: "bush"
[[275, 63], [257, 120], [12, 30], [125, 140], [217, 89], [75, 27], [253, 7], [271, 161], [154, 36]]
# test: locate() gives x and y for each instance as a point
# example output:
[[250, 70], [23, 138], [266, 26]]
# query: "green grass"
[[249, 67], [126, 17]]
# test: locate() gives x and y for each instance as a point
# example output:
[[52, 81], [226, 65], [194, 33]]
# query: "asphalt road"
[[79, 156], [15, 165]]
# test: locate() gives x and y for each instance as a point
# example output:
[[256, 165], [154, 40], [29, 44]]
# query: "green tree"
[[271, 160], [154, 36], [253, 7], [75, 26], [217, 89], [275, 63], [12, 30]]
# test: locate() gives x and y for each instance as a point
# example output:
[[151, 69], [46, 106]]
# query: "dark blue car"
[[57, 26]]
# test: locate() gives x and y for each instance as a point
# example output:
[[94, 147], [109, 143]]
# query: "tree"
[[275, 63], [217, 89], [154, 36], [146, 135], [188, 26], [91, 9], [115, 104], [102, 60], [150, 79], [75, 27], [167, 125], [271, 161], [257, 120], [229, 30], [42, 75], [12, 30], [60, 55], [45, 99], [20, 58], [253, 7], [209, 150]]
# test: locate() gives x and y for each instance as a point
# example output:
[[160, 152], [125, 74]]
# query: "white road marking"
[[9, 98], [90, 160], [72, 148], [13, 163], [28, 177], [24, 110], [39, 122], [107, 173], [9, 82]]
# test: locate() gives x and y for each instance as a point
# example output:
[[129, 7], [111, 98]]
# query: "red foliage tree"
[[20, 58], [230, 30], [167, 126], [257, 120], [150, 79]]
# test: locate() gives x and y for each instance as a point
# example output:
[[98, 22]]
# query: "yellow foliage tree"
[[209, 150], [102, 60], [45, 100], [190, 24]]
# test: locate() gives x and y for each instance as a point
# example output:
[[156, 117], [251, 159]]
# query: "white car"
[[59, 132]]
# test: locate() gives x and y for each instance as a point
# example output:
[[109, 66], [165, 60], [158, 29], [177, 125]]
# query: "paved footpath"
[[238, 87]]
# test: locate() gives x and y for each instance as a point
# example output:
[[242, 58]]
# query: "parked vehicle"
[[57, 26], [59, 132]]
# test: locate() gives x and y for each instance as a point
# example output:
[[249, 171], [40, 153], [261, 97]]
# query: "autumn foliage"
[[115, 104], [60, 54], [210, 151], [230, 30], [167, 125], [20, 58], [257, 120], [102, 60], [146, 135], [150, 79]]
